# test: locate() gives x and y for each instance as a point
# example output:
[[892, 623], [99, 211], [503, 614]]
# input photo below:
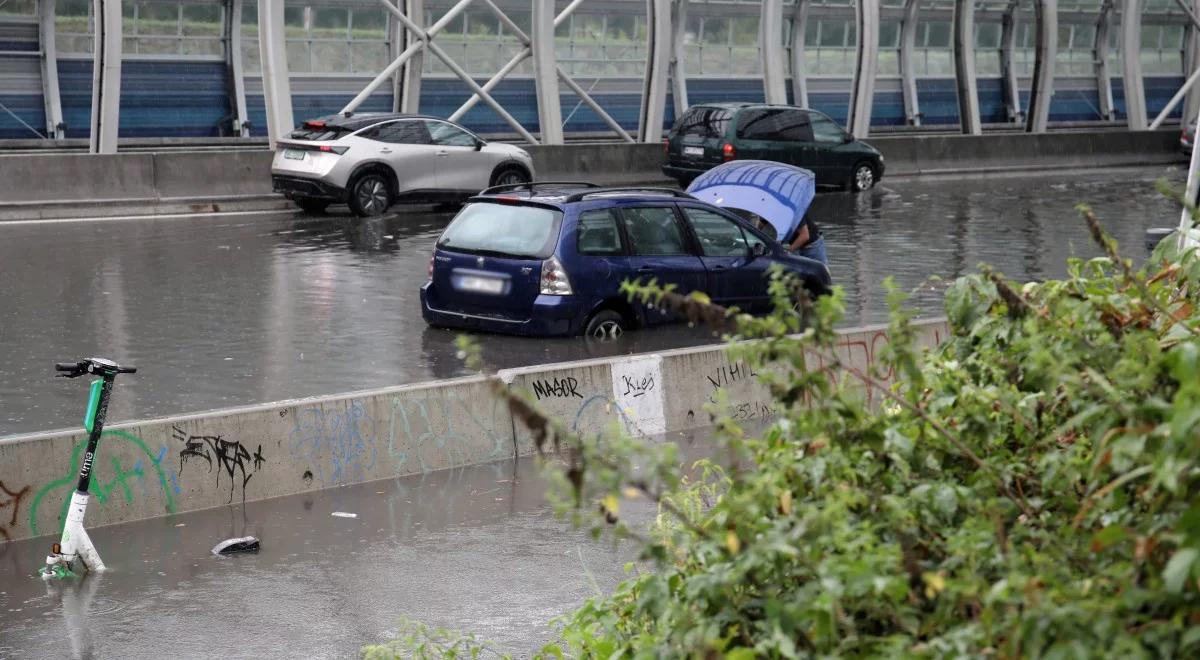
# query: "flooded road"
[[230, 310], [474, 549]]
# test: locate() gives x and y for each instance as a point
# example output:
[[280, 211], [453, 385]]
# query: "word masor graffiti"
[[11, 498], [228, 456], [635, 387], [556, 387]]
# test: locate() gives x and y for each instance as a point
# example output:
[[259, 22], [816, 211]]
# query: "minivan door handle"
[[385, 151], [443, 152], [645, 269]]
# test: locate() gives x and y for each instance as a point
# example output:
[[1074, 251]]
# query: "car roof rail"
[[630, 189], [531, 186]]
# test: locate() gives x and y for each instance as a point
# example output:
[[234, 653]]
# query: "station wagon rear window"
[[507, 230]]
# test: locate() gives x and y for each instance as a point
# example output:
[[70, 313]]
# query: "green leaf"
[[1179, 568]]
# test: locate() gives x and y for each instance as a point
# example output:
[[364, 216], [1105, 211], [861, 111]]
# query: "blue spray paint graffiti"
[[338, 444], [410, 419]]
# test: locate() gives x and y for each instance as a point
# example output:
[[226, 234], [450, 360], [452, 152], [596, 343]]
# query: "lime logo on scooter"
[[75, 543]]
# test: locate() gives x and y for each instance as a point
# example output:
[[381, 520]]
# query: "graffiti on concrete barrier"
[[111, 478], [227, 456], [416, 432], [338, 444], [635, 387], [556, 387], [10, 499], [752, 411], [728, 374]]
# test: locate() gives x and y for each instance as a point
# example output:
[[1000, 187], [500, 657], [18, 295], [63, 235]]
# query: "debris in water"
[[343, 514], [230, 546]]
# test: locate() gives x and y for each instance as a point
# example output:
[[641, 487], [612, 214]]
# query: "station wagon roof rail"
[[532, 186], [579, 196]]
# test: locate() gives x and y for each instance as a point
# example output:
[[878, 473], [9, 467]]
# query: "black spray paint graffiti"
[[635, 387], [227, 456], [556, 387]]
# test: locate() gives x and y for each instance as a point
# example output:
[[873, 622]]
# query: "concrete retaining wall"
[[159, 467], [79, 185]]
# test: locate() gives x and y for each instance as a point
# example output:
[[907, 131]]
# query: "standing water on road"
[[229, 310]]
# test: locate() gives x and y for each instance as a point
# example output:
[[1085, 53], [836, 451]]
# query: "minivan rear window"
[[509, 230], [704, 122]]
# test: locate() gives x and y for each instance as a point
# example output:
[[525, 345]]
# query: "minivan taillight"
[[554, 279], [728, 152], [430, 271]]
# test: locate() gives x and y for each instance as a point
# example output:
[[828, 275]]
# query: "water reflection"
[[221, 311]]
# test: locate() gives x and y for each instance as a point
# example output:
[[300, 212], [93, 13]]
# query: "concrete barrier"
[[78, 185], [190, 462]]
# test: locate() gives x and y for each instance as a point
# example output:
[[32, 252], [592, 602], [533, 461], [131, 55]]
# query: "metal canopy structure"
[[792, 40]]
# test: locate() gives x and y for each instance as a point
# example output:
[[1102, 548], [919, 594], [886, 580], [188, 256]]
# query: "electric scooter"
[[75, 544]]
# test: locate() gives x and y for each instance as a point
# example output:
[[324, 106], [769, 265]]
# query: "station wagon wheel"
[[605, 325], [369, 195], [864, 177]]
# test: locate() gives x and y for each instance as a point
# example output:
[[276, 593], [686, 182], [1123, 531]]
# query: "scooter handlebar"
[[127, 370], [66, 366]]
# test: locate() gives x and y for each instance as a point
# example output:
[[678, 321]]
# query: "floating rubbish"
[[231, 546], [343, 514]]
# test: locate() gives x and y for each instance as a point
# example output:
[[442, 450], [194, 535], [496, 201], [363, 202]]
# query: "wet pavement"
[[230, 310], [474, 549]]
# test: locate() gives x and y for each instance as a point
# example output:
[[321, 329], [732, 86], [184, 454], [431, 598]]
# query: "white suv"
[[370, 160]]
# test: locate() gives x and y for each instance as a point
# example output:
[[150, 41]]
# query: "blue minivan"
[[548, 259]]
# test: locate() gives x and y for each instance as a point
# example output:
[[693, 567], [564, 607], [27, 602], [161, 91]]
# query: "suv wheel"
[[863, 177], [509, 176], [605, 325], [312, 205], [369, 195]]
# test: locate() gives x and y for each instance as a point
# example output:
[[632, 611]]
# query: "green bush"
[[1028, 489]]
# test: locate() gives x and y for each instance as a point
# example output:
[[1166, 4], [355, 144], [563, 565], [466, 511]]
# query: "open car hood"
[[779, 194]]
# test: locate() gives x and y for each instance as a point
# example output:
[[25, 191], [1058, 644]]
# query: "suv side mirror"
[[478, 145], [847, 138], [758, 250]]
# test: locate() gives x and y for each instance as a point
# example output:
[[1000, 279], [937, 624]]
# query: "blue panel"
[[23, 46], [30, 109], [1159, 90], [308, 106], [158, 99]]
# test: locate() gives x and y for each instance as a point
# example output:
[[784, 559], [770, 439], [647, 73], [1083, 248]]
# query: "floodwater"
[[236, 309], [474, 549]]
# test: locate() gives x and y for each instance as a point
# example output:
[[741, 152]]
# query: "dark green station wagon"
[[710, 134]]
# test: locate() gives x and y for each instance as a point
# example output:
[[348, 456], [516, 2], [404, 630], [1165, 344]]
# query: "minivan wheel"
[[369, 195], [312, 205], [509, 176], [605, 325], [863, 177]]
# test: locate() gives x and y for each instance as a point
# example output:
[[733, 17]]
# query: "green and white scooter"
[[75, 544]]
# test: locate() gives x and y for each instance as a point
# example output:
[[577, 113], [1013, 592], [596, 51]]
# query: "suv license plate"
[[693, 151], [481, 284], [293, 154]]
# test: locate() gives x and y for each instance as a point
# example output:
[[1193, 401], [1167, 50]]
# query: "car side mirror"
[[758, 250], [847, 138], [478, 145]]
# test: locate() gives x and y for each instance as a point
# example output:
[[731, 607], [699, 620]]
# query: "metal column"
[[679, 95], [1131, 64], [233, 67], [1008, 72], [770, 49], [1191, 62], [545, 76], [406, 83], [1045, 52], [964, 67], [799, 61], [55, 128], [863, 92], [1100, 60], [106, 76], [658, 60], [277, 89], [908, 40]]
